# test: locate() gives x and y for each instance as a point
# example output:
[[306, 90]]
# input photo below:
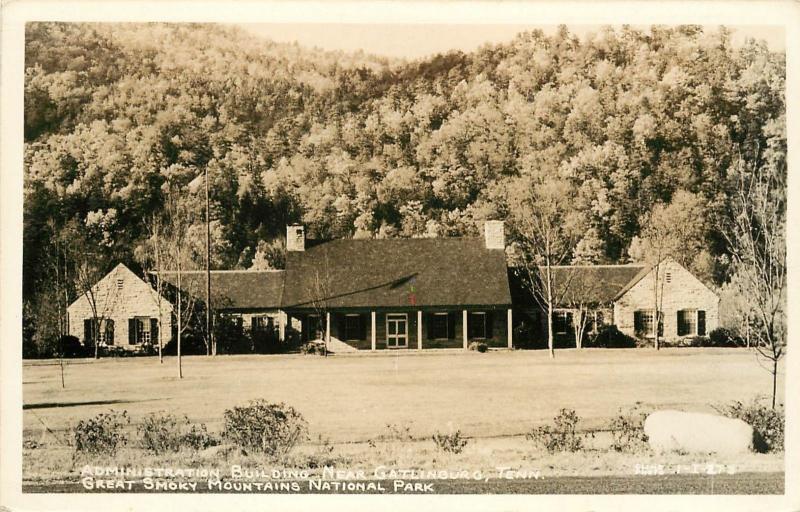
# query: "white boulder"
[[694, 432]]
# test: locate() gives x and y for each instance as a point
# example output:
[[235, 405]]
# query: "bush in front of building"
[[263, 427], [313, 348], [723, 337], [478, 346], [102, 434], [609, 336]]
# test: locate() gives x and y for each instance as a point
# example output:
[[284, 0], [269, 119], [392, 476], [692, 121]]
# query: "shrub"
[[478, 346], [627, 430], [160, 433], [312, 348], [102, 434], [451, 442], [273, 429], [768, 424], [562, 436], [722, 337], [198, 438], [609, 336], [71, 346]]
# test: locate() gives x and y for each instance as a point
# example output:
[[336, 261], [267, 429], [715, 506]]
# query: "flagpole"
[[212, 348]]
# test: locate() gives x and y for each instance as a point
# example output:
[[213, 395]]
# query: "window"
[[687, 322], [562, 322], [691, 322], [142, 330], [259, 323], [668, 277], [477, 325], [439, 327], [354, 328], [107, 332], [120, 282], [595, 321], [644, 322]]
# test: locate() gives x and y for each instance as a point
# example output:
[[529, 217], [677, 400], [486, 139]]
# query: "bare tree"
[[101, 300], [544, 223], [321, 294], [577, 294], [153, 254], [756, 235], [180, 255]]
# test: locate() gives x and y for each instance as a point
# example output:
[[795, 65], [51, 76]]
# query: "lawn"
[[352, 398]]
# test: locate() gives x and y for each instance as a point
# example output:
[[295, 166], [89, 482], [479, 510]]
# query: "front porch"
[[402, 328]]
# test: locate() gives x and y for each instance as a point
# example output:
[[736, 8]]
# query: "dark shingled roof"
[[234, 289], [388, 272], [592, 284]]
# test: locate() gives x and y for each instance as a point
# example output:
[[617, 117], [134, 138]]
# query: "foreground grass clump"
[[263, 427], [452, 442], [768, 423], [627, 431], [562, 436], [161, 433], [102, 434]]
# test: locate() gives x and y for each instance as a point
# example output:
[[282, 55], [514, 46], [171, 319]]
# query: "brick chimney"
[[295, 238], [494, 234]]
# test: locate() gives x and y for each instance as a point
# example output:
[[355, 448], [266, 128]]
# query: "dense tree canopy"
[[121, 117]]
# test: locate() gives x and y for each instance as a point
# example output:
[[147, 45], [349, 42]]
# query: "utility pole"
[[212, 347]]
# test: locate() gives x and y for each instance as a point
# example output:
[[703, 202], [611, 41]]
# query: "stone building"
[[121, 310], [622, 295]]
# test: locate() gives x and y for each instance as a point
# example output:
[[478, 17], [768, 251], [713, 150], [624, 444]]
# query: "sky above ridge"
[[420, 40]]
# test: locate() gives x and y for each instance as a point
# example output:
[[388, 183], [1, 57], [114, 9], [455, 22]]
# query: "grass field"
[[353, 398]]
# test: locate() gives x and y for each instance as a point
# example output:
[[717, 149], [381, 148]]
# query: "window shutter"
[[681, 326], [341, 327], [429, 328], [637, 321], [489, 324], [451, 325], [87, 331], [131, 331], [701, 323], [154, 330], [661, 323]]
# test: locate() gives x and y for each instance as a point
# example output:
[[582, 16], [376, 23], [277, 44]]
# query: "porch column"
[[419, 330], [327, 327], [284, 317], [372, 333], [510, 330], [464, 329]]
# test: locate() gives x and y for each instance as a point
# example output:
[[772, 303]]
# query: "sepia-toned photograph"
[[402, 258]]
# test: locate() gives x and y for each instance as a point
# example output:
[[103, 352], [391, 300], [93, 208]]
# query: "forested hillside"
[[121, 119]]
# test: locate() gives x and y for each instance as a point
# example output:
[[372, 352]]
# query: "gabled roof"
[[106, 292], [233, 289], [590, 284], [399, 272]]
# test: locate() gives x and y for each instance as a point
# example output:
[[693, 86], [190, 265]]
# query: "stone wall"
[[681, 290], [120, 296]]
